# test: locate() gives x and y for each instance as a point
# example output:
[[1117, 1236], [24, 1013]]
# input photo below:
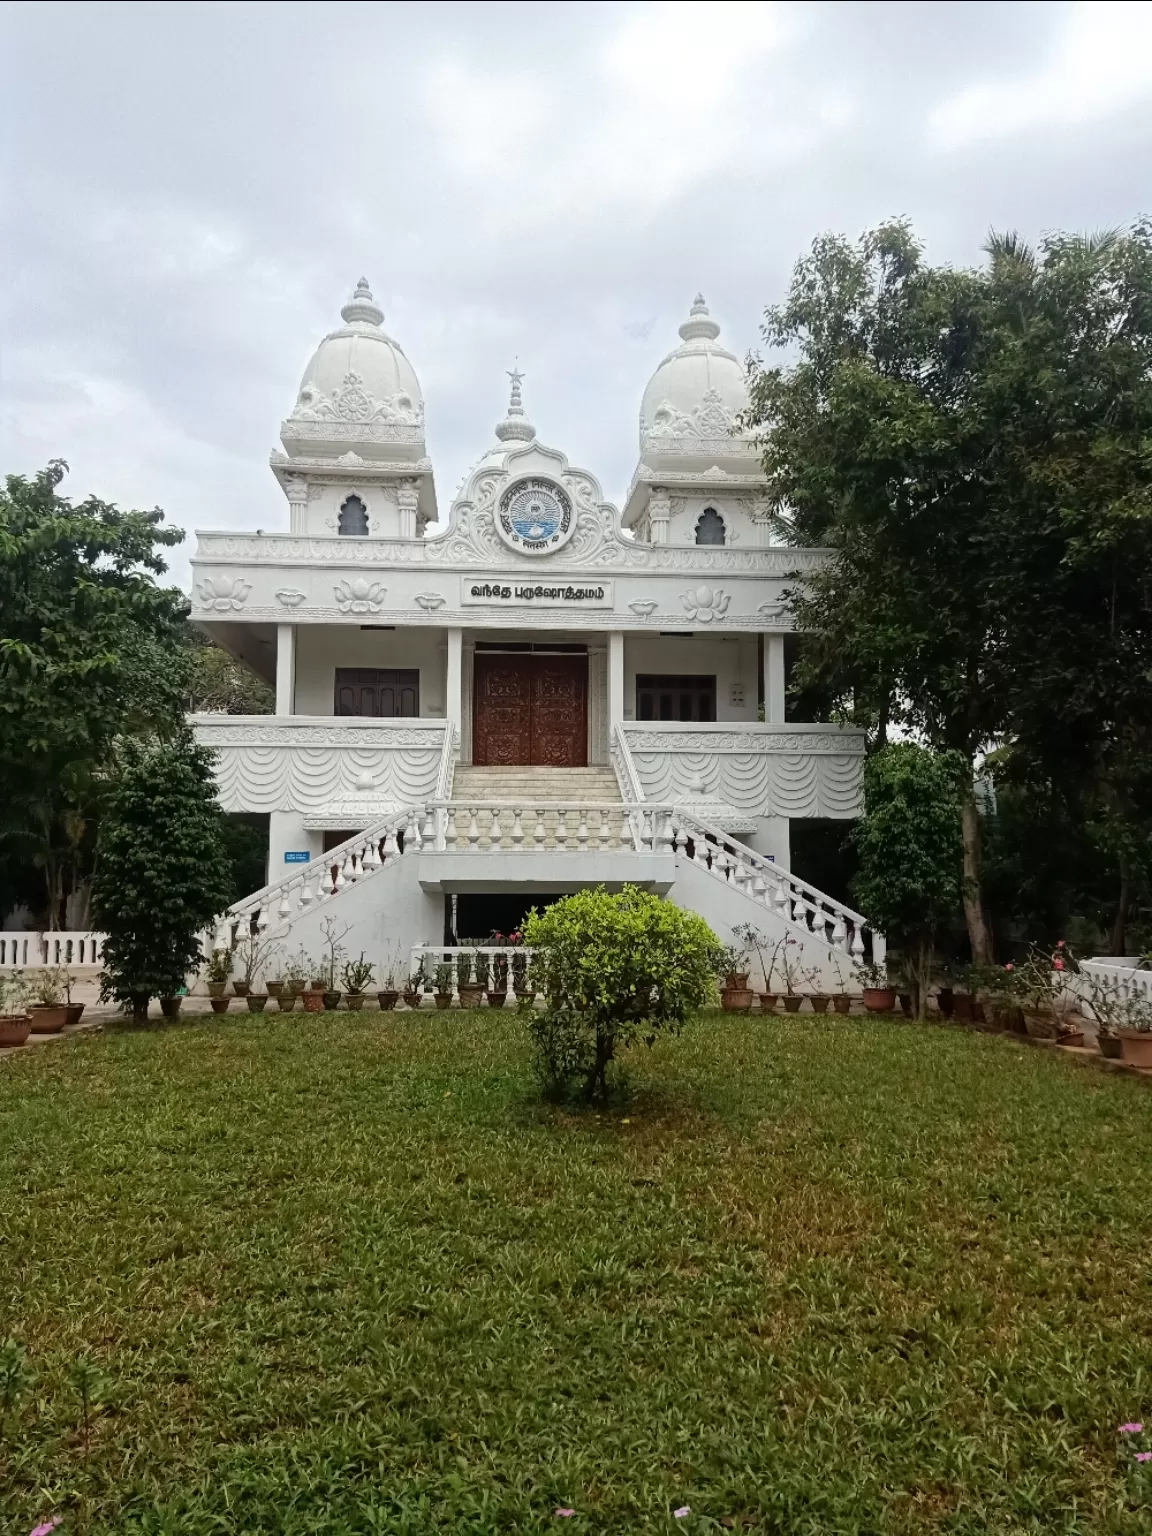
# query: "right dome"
[[694, 399]]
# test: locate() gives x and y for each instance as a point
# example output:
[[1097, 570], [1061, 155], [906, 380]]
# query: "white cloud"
[[1099, 64]]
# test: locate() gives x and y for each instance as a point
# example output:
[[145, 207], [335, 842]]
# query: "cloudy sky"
[[191, 190]]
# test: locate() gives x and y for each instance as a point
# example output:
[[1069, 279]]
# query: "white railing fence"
[[624, 768], [1125, 973], [24, 950]]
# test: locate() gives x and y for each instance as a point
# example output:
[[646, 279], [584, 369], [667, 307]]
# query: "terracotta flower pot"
[[842, 1002], [443, 999], [497, 999], [1074, 1037], [219, 1004], [14, 1029], [946, 1001], [412, 998], [736, 999], [285, 1002], [217, 988], [387, 999], [256, 1001], [471, 997], [74, 1012], [241, 988], [355, 1000], [313, 1000], [767, 1002], [880, 999], [819, 1001], [317, 984], [331, 1001], [792, 1003], [47, 1018], [1136, 1047], [170, 1007], [1110, 1046]]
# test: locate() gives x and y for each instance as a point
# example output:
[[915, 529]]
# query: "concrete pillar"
[[774, 679], [615, 679], [772, 837], [286, 834], [453, 684], [285, 668]]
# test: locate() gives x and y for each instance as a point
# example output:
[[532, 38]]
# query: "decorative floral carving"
[[351, 402], [430, 600], [291, 597], [703, 604], [359, 596], [644, 606], [223, 593]]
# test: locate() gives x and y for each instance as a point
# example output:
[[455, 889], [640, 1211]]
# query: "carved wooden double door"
[[530, 708]]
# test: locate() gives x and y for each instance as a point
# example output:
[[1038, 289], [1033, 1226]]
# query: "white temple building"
[[547, 694]]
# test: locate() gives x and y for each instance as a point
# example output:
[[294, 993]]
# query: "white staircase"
[[593, 786]]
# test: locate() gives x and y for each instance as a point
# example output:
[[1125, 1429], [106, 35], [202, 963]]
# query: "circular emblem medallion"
[[535, 517]]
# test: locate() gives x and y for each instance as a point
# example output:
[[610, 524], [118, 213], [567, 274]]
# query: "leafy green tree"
[[163, 874], [219, 684], [614, 968], [911, 851], [90, 650], [971, 447]]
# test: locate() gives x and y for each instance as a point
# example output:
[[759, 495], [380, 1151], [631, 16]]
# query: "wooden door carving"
[[530, 709]]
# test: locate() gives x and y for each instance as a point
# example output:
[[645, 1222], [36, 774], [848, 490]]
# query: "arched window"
[[709, 527], [354, 518]]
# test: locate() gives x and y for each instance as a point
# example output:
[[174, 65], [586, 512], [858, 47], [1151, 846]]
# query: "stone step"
[[574, 785]]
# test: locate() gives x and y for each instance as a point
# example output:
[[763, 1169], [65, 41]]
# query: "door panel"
[[560, 711], [530, 709], [377, 691]]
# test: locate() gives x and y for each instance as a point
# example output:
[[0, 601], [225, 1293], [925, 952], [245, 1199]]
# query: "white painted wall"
[[731, 660], [321, 648]]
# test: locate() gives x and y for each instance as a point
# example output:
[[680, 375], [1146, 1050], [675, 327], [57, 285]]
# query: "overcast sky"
[[192, 190]]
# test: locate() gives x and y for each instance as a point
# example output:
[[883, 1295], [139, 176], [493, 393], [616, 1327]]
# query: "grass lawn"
[[347, 1275]]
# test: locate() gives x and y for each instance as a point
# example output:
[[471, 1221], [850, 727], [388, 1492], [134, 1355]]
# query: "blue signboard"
[[297, 858]]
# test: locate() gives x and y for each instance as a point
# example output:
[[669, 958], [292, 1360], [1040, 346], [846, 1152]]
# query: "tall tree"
[[972, 449], [163, 874], [90, 648]]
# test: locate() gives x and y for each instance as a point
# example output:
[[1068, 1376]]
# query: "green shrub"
[[614, 968]]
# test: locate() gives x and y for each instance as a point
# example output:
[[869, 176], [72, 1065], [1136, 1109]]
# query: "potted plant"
[[755, 941], [443, 993], [333, 934], [842, 998], [878, 995], [253, 953], [357, 979], [75, 1010], [471, 992], [416, 984], [217, 972], [1135, 1032], [483, 971], [388, 994], [15, 1025], [794, 974], [946, 991], [256, 1001], [313, 990], [1107, 1004], [49, 1011], [732, 970], [1049, 1005], [170, 1006]]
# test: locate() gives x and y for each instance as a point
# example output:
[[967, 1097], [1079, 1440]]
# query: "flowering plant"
[[795, 974], [13, 994], [871, 977]]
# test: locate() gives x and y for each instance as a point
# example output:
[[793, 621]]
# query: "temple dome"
[[358, 389], [694, 398]]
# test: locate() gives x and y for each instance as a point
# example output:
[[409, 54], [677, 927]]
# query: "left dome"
[[359, 391]]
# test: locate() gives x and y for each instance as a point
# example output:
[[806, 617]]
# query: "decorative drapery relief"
[[777, 773]]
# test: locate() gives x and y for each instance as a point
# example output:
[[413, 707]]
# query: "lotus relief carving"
[[223, 593], [644, 606], [430, 600], [703, 604], [291, 597], [359, 596]]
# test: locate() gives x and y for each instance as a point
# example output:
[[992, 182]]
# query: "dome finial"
[[516, 424], [699, 325], [362, 308]]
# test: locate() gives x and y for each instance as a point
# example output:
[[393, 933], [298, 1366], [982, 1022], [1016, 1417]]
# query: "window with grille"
[[709, 527], [353, 518], [660, 697], [378, 691]]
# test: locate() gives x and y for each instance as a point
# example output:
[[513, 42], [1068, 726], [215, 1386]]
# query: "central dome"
[[358, 391], [694, 399]]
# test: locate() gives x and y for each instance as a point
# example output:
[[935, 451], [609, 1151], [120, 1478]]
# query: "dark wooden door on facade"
[[530, 709], [378, 691]]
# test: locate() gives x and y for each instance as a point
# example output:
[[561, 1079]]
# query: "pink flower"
[[47, 1527], [1059, 943], [1009, 967], [1144, 1455], [1131, 1429], [1057, 964], [678, 1514], [564, 1514]]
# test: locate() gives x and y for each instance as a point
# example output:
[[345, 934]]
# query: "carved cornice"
[[670, 616], [274, 731]]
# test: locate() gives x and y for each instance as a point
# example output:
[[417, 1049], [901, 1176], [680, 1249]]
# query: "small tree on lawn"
[[911, 851], [162, 872], [614, 968]]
